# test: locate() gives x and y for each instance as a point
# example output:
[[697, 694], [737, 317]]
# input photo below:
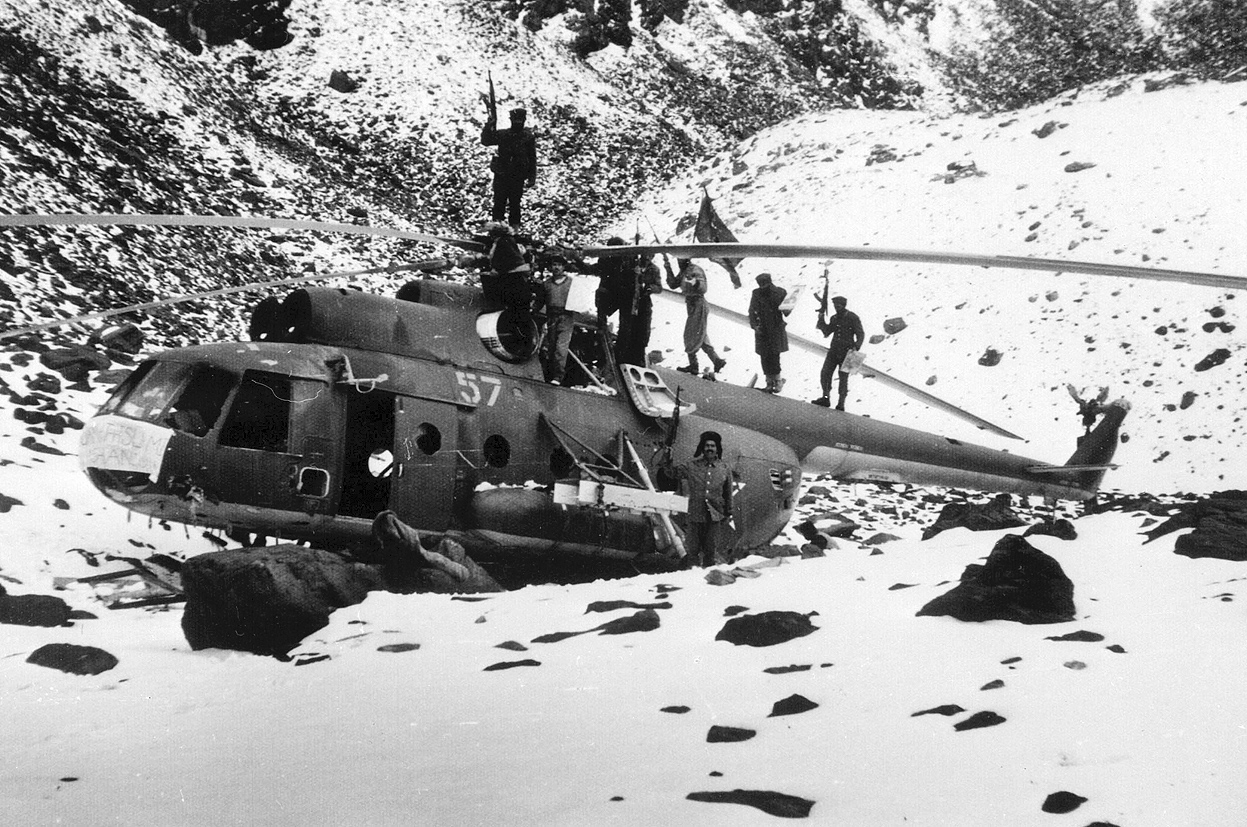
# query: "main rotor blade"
[[822, 251], [240, 221], [892, 382]]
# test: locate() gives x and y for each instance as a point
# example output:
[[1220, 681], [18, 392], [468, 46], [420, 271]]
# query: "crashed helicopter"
[[430, 403]]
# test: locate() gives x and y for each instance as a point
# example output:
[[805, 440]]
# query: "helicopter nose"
[[129, 446]]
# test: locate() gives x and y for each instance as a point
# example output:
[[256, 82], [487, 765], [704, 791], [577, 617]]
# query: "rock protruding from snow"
[[1018, 582], [33, 610], [766, 628], [267, 600], [1220, 523], [989, 516], [72, 658]]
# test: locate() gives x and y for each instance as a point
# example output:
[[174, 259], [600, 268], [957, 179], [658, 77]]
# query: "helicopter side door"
[[426, 473]]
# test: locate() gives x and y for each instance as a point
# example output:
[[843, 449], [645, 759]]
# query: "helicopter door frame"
[[426, 462]]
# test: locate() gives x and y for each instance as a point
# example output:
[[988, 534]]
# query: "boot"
[[822, 401], [779, 383], [770, 384], [714, 358], [692, 365]]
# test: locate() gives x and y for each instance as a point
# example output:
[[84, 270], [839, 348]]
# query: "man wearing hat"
[[514, 165], [845, 330], [559, 320], [707, 482], [691, 281], [770, 336]]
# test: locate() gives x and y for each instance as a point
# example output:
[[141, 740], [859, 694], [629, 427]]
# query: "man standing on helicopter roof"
[[845, 330], [691, 281], [770, 337], [514, 165]]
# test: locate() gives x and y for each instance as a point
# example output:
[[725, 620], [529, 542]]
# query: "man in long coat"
[[770, 334]]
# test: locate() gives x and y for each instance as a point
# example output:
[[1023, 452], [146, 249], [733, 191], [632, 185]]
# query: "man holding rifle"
[[845, 330], [514, 164]]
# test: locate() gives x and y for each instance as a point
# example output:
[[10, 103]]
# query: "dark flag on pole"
[[711, 229]]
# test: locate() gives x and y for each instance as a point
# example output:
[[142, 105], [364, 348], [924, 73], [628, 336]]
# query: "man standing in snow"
[[845, 330], [770, 338], [707, 482], [691, 281], [514, 165]]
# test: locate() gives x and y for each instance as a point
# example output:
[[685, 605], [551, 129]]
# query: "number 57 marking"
[[470, 388]]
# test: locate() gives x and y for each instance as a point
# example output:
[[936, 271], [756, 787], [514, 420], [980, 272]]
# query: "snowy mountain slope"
[[1163, 189]]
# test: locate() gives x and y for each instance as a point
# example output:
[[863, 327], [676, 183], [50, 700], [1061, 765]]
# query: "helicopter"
[[431, 403]]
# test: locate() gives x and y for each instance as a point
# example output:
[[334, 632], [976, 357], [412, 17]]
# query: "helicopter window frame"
[[152, 394], [249, 425]]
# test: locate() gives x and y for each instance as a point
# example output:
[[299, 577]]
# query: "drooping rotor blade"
[[241, 221], [865, 370], [224, 291], [822, 251]]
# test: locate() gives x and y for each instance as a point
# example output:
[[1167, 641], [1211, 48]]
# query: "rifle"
[[636, 274], [666, 262], [822, 300], [491, 105]]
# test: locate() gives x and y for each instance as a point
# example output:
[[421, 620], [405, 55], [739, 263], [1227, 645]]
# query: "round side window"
[[497, 451]]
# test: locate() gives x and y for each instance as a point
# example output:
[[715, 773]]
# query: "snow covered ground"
[[574, 731]]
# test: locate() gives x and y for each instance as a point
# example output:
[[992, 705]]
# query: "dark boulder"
[[780, 805], [1062, 529], [74, 659], [33, 610], [127, 337], [340, 81], [1220, 523], [75, 362], [266, 600], [1018, 582], [989, 516], [766, 629]]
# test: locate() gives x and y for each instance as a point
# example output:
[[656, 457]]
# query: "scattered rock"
[[512, 645], [511, 664], [792, 705], [990, 516], [979, 720], [1220, 523], [340, 81], [1018, 583], [946, 709], [996, 684], [1217, 357], [990, 358], [1045, 130], [1062, 528], [74, 659], [781, 805], [894, 325], [1078, 166], [613, 605], [766, 629], [728, 734], [1081, 636], [784, 670], [33, 610], [74, 362], [675, 710], [267, 600], [398, 647], [1062, 802]]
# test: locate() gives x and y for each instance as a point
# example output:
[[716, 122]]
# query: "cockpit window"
[[199, 405], [260, 416], [181, 396]]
